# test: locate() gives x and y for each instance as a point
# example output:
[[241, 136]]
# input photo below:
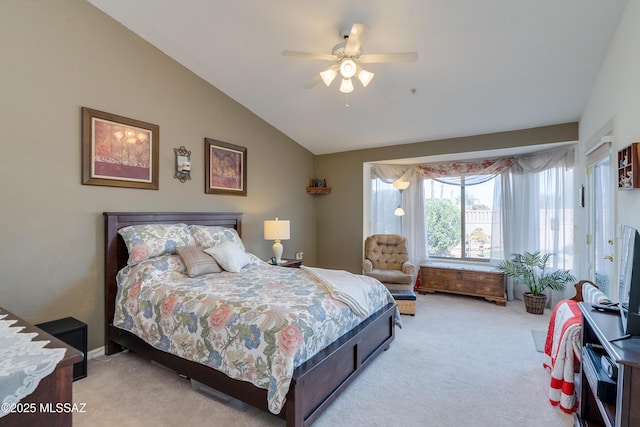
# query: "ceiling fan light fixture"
[[328, 75], [365, 77], [346, 86], [348, 68]]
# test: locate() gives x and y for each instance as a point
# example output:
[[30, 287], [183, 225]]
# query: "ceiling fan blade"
[[356, 36], [312, 83], [321, 56], [389, 57]]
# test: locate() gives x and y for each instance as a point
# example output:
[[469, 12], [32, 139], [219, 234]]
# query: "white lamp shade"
[[399, 211], [348, 68], [365, 77], [346, 86], [328, 75], [276, 230]]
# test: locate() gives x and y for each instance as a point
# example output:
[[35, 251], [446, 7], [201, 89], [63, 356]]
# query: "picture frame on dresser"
[[119, 151], [226, 168]]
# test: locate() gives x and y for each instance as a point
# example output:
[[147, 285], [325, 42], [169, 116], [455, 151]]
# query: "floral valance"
[[478, 169], [466, 168]]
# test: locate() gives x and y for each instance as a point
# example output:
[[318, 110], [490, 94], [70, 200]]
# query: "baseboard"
[[96, 352]]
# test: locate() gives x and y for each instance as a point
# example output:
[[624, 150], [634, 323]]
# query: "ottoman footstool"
[[405, 300]]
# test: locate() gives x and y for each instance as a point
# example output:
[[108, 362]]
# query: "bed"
[[314, 384]]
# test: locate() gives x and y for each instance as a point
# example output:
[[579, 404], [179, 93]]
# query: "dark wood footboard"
[[320, 380], [315, 384]]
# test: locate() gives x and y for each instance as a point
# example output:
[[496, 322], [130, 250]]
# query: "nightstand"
[[291, 263], [74, 333]]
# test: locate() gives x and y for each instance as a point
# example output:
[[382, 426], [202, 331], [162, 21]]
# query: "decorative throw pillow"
[[197, 262], [208, 236], [593, 295], [150, 240], [229, 256]]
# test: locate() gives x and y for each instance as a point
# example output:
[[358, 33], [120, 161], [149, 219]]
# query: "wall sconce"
[[183, 164]]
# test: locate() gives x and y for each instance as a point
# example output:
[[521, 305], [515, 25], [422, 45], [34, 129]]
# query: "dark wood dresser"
[[474, 281], [604, 399], [51, 403]]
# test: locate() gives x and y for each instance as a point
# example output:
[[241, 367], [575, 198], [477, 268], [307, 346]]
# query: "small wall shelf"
[[628, 165], [319, 190]]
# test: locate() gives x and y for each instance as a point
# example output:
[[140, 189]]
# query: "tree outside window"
[[458, 218]]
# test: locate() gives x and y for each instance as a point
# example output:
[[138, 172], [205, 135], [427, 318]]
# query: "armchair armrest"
[[367, 266], [408, 268]]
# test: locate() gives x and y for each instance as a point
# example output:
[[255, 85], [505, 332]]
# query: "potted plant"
[[531, 269]]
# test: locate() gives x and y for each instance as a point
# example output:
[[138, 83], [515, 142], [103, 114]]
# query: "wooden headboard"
[[116, 254]]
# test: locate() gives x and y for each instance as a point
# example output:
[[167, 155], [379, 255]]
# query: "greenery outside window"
[[459, 213]]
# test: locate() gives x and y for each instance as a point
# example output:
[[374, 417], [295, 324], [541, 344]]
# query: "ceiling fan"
[[347, 57]]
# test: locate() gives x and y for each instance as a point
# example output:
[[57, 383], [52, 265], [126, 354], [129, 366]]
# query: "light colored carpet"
[[460, 361], [539, 338]]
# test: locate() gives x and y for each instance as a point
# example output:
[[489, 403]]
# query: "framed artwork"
[[118, 151], [226, 168]]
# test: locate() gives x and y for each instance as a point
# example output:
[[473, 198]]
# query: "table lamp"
[[276, 230]]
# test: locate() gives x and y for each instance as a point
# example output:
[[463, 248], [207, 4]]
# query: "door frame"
[[591, 199]]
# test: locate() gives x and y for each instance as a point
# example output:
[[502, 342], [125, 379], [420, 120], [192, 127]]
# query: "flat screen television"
[[629, 284]]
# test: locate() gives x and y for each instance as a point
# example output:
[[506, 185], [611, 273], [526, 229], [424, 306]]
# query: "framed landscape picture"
[[226, 168], [118, 151]]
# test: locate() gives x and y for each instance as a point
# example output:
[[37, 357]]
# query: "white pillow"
[[229, 256], [593, 295]]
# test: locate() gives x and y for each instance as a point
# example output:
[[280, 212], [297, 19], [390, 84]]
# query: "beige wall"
[[613, 108], [59, 56], [339, 215]]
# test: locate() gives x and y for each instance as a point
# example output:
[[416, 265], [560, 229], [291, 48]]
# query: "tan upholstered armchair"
[[386, 258]]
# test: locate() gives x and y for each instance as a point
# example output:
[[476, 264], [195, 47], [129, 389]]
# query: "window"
[[458, 215], [455, 218]]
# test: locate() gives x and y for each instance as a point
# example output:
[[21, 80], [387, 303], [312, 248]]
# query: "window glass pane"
[[478, 217], [444, 220]]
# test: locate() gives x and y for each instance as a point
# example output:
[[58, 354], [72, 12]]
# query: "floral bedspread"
[[256, 325]]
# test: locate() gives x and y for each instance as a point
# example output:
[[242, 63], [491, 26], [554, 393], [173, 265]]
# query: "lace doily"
[[23, 362]]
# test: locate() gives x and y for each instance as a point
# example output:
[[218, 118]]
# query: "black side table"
[[74, 333]]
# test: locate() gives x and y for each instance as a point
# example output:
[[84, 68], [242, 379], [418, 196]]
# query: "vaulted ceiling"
[[483, 66]]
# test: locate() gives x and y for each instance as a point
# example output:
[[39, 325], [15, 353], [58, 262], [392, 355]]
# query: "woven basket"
[[535, 304], [406, 307]]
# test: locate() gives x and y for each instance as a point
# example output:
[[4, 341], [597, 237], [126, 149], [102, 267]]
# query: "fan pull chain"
[[346, 102]]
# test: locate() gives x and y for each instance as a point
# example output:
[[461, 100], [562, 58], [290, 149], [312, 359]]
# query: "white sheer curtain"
[[412, 224], [384, 199], [536, 209], [502, 196]]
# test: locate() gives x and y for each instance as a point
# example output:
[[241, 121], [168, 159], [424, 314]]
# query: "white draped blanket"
[[344, 286]]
